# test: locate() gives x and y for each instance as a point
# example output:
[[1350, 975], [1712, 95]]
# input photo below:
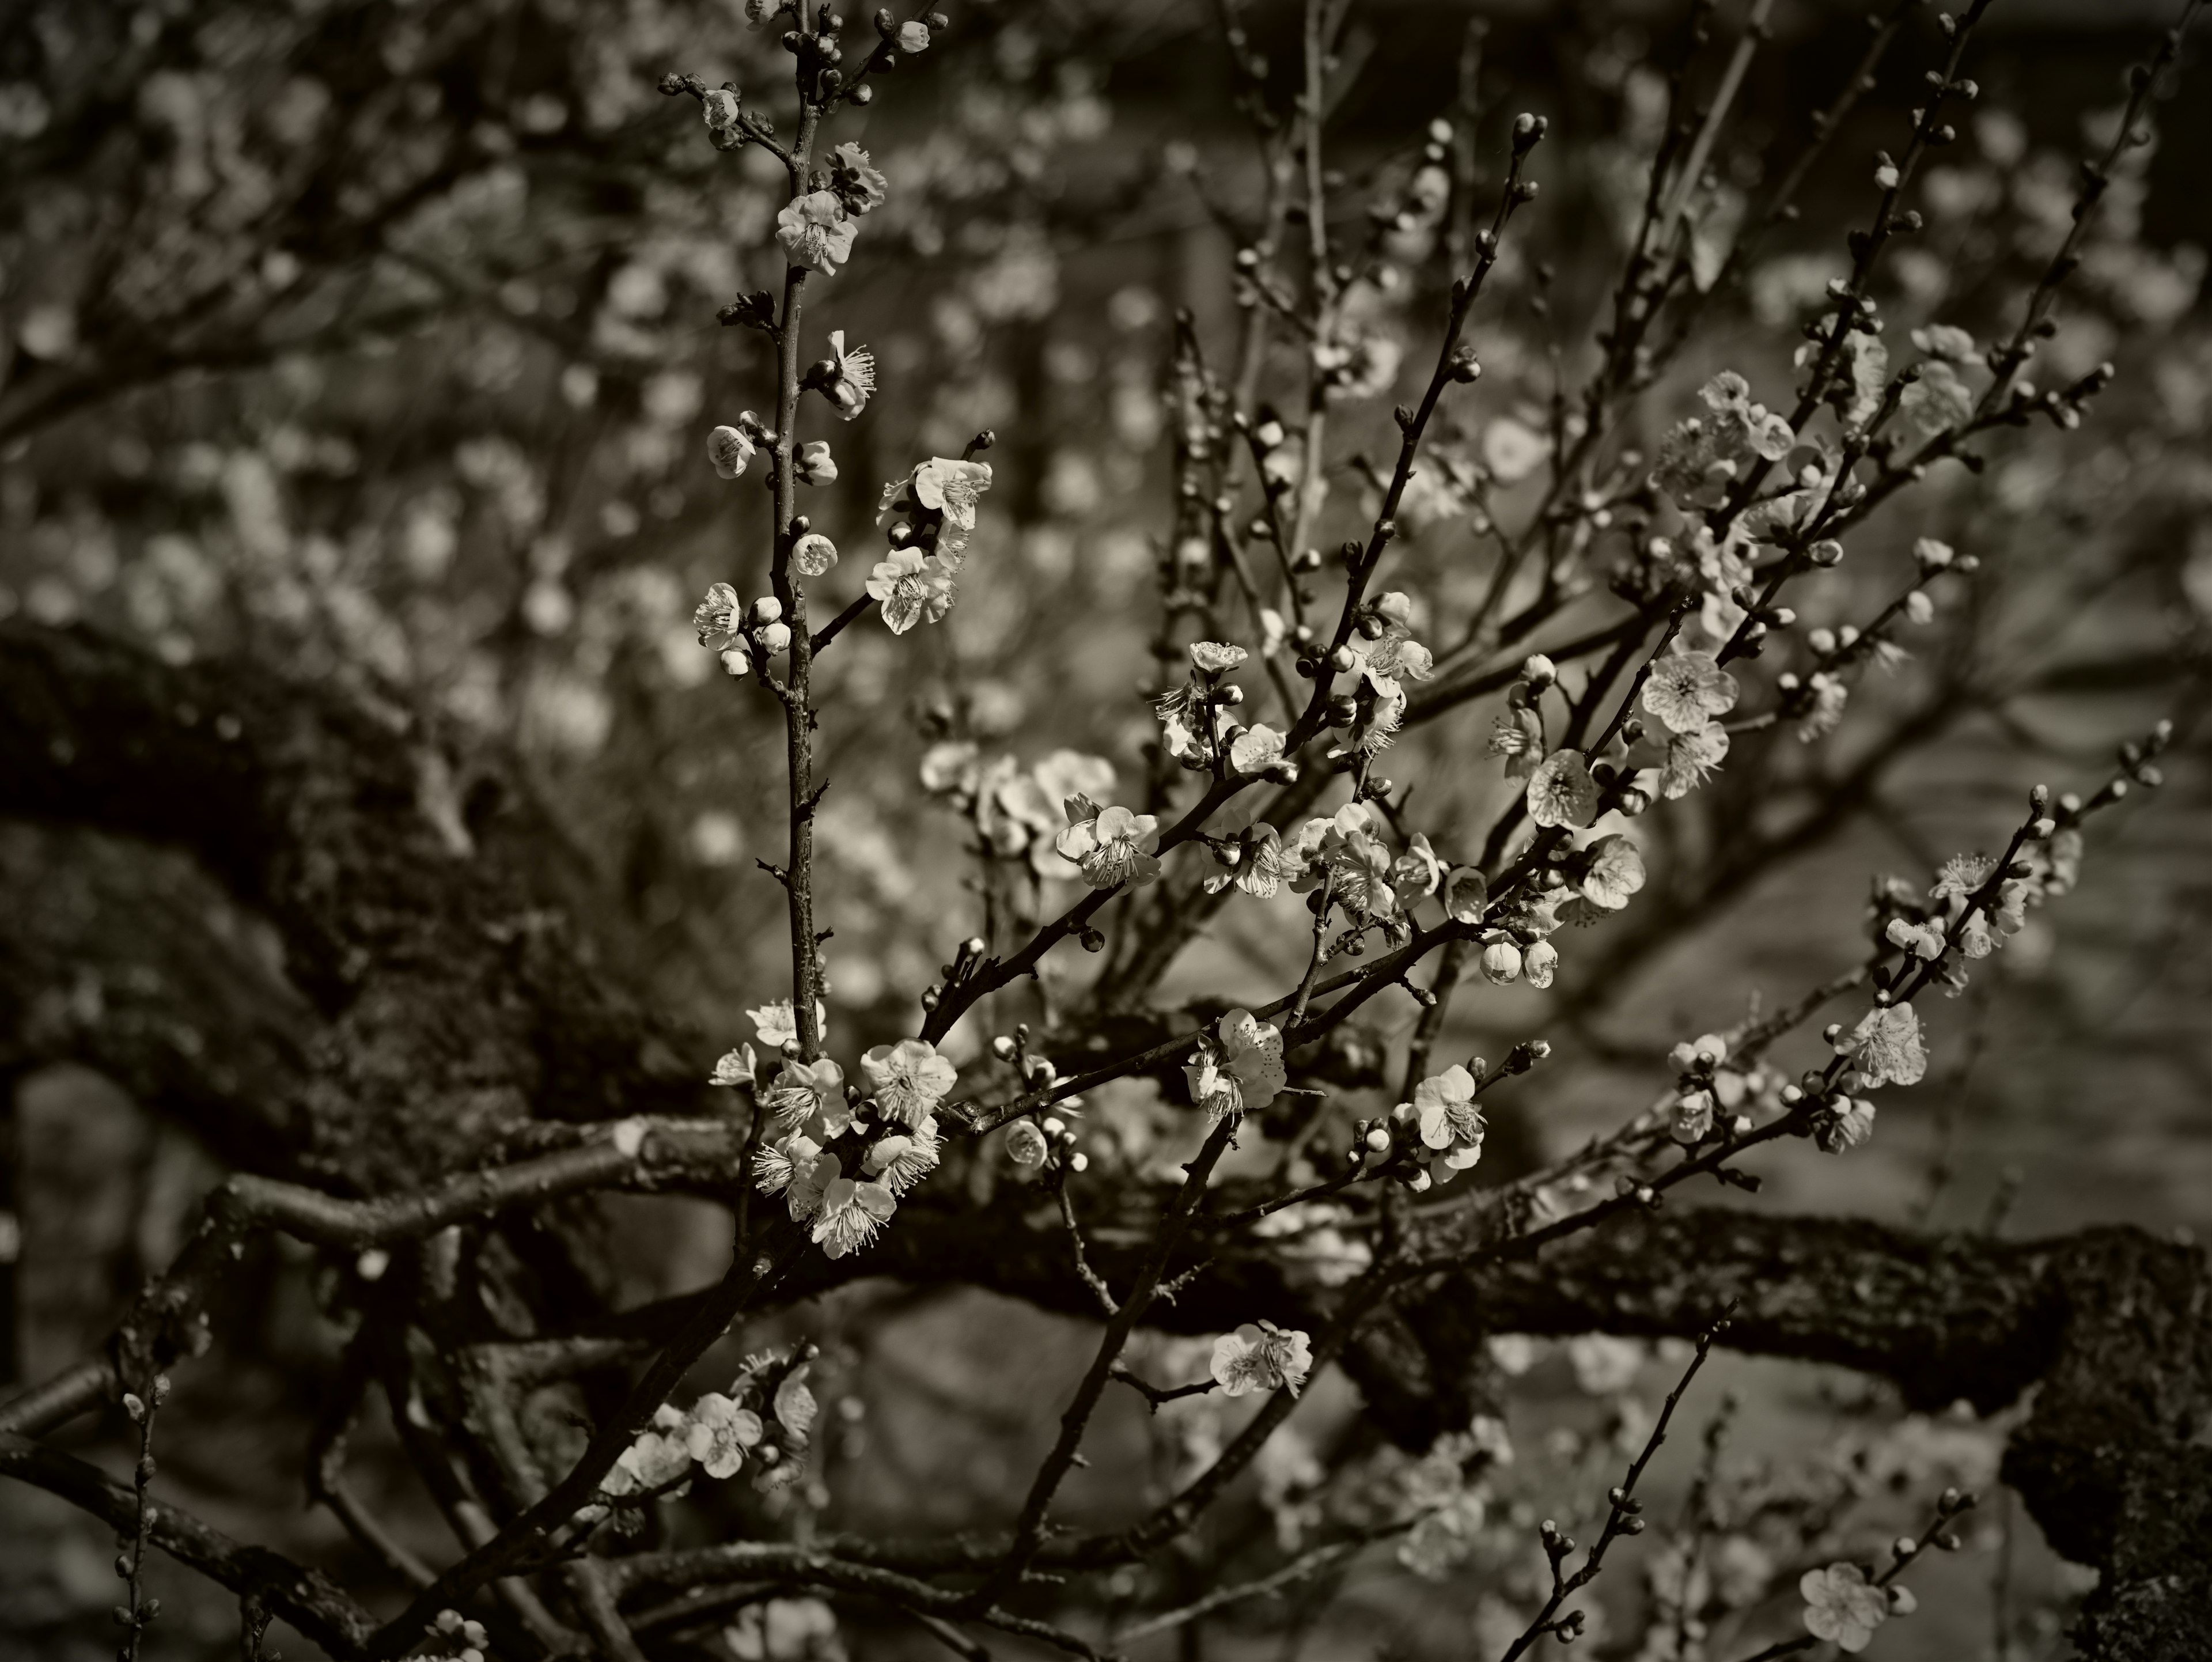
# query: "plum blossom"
[[1501, 963], [1540, 962], [1614, 873], [1348, 846], [1216, 657], [1885, 1047], [720, 109], [1843, 1124], [1109, 845], [1023, 808], [1829, 695], [735, 1068], [814, 464], [1466, 895], [776, 1024], [909, 587], [857, 182], [1706, 452], [1264, 865], [1445, 1108], [1025, 1144], [1255, 750], [851, 1212], [954, 489], [1561, 791], [1922, 940], [851, 380], [1686, 690], [911, 38], [730, 450], [786, 1166], [908, 1079], [1417, 873], [661, 1454], [1518, 736], [1385, 662], [1240, 1070], [718, 1432], [808, 1095], [905, 1158], [813, 554], [717, 618], [1261, 1354], [1691, 759], [815, 232], [1842, 1606]]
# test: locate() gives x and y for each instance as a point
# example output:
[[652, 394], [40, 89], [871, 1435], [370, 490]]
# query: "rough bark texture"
[[261, 909]]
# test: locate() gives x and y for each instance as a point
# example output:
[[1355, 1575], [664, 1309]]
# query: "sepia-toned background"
[[376, 342]]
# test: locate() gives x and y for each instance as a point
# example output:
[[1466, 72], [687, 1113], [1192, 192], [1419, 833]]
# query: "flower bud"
[[776, 638], [1501, 962]]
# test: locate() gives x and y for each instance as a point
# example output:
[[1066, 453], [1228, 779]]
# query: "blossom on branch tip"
[[815, 232], [718, 1432], [1348, 847], [717, 617], [851, 382], [777, 1025], [1614, 872], [953, 489], [1267, 864], [1216, 656], [1262, 1356], [735, 1068], [851, 1213], [1843, 1124], [1561, 791], [809, 1096], [1686, 690], [1466, 896], [904, 1159], [1885, 1047], [1240, 1068], [1843, 1606], [1417, 873], [659, 1457], [857, 182], [814, 463], [729, 449], [1108, 845], [1025, 1144], [720, 109], [1255, 750], [1444, 1109], [910, 588], [1691, 759], [908, 1079]]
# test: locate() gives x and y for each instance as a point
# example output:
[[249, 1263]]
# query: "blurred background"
[[376, 341]]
